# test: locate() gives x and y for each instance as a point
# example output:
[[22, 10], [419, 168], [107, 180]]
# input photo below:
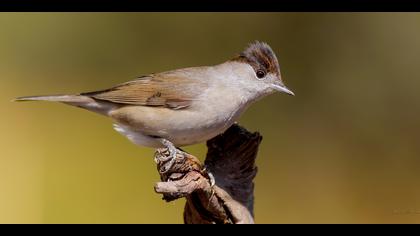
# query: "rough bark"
[[231, 160]]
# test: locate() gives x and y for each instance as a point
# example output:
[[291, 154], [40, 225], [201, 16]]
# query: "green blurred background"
[[345, 149]]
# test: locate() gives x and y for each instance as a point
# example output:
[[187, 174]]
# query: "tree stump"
[[231, 161]]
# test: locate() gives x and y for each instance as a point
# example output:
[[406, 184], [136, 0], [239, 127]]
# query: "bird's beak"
[[282, 88]]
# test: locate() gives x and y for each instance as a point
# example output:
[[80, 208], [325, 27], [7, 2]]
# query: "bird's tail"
[[54, 98], [74, 100]]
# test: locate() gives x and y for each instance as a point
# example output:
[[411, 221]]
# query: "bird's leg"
[[169, 147], [172, 153]]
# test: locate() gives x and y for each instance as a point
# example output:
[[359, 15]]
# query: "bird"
[[184, 106]]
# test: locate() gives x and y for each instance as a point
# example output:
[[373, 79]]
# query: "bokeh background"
[[345, 149]]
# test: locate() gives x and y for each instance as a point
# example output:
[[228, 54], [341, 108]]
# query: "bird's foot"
[[168, 155]]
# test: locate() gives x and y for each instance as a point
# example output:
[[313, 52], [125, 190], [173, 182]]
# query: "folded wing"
[[160, 90]]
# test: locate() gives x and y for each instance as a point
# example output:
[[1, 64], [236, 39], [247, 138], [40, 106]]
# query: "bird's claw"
[[170, 160], [168, 155], [212, 180]]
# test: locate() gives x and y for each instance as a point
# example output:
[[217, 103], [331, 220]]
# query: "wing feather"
[[164, 90]]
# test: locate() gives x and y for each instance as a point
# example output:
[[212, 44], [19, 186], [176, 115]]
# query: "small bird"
[[184, 106]]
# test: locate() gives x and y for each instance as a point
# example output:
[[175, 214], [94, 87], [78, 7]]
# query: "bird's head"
[[265, 71]]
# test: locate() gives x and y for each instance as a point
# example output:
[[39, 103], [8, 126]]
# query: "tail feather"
[[53, 98], [81, 101]]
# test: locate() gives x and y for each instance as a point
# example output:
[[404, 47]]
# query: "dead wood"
[[231, 160]]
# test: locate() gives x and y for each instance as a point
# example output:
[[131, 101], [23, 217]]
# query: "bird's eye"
[[260, 74]]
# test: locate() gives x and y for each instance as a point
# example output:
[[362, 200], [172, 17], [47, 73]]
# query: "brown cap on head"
[[261, 57]]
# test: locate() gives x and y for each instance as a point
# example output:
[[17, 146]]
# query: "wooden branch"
[[231, 160]]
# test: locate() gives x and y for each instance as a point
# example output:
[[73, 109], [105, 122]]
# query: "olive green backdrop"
[[345, 149]]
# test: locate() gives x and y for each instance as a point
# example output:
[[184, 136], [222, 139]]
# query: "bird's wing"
[[162, 90]]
